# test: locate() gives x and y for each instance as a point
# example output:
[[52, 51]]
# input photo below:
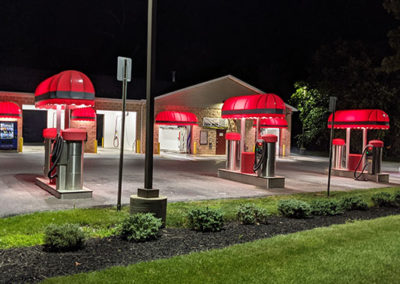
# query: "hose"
[[356, 177], [116, 139], [58, 146], [189, 141], [258, 164]]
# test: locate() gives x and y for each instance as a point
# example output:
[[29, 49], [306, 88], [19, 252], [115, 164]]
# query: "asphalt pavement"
[[179, 177]]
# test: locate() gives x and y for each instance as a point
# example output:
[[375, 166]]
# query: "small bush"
[[139, 227], [396, 199], [67, 237], [353, 203], [382, 199], [294, 208], [326, 207], [205, 220], [250, 214]]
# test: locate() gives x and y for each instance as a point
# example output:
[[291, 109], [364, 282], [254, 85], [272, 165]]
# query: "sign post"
[[332, 109], [124, 72]]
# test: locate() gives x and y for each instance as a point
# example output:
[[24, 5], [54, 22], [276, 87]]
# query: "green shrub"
[[67, 237], [205, 219], [382, 199], [139, 227], [250, 214], [353, 203], [324, 207], [396, 198], [294, 208]]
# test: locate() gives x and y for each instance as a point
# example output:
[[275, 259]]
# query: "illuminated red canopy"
[[272, 122], [66, 88], [10, 110], [86, 113], [360, 118], [260, 105], [176, 118]]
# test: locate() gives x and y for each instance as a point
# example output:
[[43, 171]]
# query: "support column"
[[347, 147], [242, 134], [257, 130], [58, 115], [364, 145]]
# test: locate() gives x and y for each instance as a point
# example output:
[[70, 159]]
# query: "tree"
[[391, 63], [313, 108]]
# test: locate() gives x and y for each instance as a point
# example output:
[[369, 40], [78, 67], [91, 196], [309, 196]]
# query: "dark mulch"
[[33, 264]]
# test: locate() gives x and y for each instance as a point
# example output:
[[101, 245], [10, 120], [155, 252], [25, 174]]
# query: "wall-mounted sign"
[[203, 137], [216, 123]]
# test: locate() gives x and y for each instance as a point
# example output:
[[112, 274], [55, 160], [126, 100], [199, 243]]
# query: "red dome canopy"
[[10, 110], [360, 118], [66, 88], [261, 105], [176, 118], [86, 113], [272, 122]]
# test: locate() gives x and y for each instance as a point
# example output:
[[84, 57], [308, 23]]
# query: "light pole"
[[148, 198]]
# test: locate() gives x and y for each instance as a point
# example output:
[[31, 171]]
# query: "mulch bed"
[[33, 264]]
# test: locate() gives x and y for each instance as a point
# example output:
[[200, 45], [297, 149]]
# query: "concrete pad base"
[[155, 205], [380, 178], [63, 194], [264, 182]]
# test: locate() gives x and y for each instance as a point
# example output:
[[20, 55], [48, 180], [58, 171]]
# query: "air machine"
[[264, 161]]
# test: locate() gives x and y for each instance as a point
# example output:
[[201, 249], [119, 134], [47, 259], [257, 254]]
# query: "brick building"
[[204, 100]]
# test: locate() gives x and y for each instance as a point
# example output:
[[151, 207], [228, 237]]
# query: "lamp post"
[[148, 198]]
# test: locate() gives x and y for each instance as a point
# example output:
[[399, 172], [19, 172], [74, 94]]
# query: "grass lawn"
[[358, 252], [27, 230]]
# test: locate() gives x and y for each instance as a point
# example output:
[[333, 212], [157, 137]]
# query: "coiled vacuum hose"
[[256, 165], [356, 177], [58, 146]]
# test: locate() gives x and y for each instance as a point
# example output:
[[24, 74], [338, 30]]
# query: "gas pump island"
[[367, 165], [258, 167], [63, 167]]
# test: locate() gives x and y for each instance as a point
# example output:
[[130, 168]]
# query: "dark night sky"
[[266, 43]]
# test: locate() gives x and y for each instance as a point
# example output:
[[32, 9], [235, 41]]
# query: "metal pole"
[[364, 135], [121, 156], [58, 117], [330, 150], [242, 135], [348, 133], [150, 76], [257, 129]]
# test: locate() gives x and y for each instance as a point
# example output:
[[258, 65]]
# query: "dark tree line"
[[361, 75]]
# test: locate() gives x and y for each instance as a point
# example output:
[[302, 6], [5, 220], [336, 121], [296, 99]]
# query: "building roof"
[[210, 93]]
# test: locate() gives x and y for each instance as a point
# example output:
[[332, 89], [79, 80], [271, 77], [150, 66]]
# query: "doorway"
[[220, 142], [33, 124]]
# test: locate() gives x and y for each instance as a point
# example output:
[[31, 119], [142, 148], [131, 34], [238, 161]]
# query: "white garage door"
[[169, 139]]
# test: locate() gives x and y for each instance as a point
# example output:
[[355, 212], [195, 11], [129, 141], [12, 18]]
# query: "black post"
[[150, 77], [121, 156], [330, 149]]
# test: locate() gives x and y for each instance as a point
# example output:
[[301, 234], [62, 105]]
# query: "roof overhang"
[[209, 93]]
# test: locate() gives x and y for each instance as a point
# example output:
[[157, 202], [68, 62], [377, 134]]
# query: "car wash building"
[[203, 102], [186, 120]]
